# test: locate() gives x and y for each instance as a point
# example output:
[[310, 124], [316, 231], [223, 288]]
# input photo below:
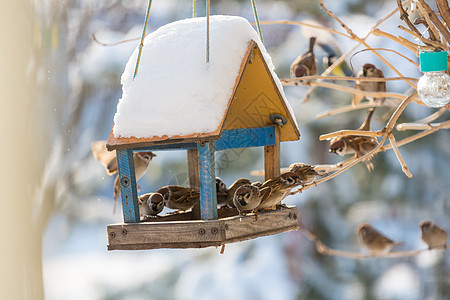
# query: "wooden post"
[[194, 178], [208, 198], [272, 157], [128, 191]]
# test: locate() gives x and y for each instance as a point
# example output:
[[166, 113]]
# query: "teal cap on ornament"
[[433, 61]]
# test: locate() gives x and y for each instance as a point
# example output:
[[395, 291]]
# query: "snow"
[[175, 91]]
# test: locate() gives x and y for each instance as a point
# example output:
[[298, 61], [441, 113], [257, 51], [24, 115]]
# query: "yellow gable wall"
[[256, 98]]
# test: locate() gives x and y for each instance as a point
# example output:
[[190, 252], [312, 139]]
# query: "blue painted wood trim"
[[182, 146], [246, 137], [206, 165], [128, 192]]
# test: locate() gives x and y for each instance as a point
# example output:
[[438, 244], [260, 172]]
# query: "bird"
[[306, 172], [150, 204], [305, 64], [369, 71], [247, 198], [179, 197], [333, 53], [221, 192], [276, 189], [433, 235], [233, 187], [373, 240], [357, 144], [109, 160]]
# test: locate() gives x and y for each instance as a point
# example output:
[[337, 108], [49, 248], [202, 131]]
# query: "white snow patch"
[[399, 282], [175, 91]]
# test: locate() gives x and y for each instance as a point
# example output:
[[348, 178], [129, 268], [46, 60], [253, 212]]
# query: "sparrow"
[[109, 160], [369, 71], [233, 187], [179, 197], [247, 198], [276, 189], [305, 64], [373, 240], [357, 144], [433, 235], [221, 192], [150, 204], [306, 172]]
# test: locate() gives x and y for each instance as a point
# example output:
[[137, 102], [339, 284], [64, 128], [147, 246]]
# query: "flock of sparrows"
[[306, 65], [378, 244], [242, 194]]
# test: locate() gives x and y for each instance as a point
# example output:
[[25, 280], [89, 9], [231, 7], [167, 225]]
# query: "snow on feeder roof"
[[177, 96]]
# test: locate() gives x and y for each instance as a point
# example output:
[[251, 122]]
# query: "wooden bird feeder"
[[256, 116]]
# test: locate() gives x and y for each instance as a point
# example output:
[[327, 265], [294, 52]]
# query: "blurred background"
[[72, 86]]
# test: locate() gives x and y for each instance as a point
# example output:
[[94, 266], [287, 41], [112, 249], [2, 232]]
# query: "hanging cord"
[[142, 38], [255, 13], [207, 31], [194, 11]]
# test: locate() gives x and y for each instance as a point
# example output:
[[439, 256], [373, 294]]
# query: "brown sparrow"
[[369, 71], [247, 198], [306, 172], [373, 240], [150, 204], [109, 161], [179, 197], [221, 192], [233, 187], [357, 144], [433, 235], [276, 189], [305, 64]]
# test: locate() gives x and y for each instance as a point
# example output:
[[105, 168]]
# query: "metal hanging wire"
[[194, 10], [258, 28], [142, 38]]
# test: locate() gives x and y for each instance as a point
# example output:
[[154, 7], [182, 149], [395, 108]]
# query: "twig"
[[399, 54], [445, 33], [348, 108], [432, 31], [421, 38], [405, 17], [325, 250], [416, 126], [444, 11], [347, 78], [302, 24], [433, 117], [405, 168], [355, 37], [115, 43], [405, 43], [331, 135]]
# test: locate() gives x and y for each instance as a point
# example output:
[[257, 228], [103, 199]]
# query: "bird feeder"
[[255, 114]]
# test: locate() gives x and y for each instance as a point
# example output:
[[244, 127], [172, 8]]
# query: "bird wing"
[[107, 158]]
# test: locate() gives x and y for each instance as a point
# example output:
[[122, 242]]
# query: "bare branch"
[[405, 168]]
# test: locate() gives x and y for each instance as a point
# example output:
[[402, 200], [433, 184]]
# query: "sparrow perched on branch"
[[109, 161], [305, 64], [373, 240], [233, 187], [276, 189], [433, 235], [358, 144], [369, 71], [150, 204], [179, 197], [221, 192], [247, 198], [306, 172]]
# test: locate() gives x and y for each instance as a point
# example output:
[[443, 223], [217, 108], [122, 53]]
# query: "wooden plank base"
[[198, 233]]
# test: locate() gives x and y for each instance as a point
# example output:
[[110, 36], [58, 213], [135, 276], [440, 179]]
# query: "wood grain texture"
[[128, 191], [194, 179], [272, 158], [246, 137], [199, 233]]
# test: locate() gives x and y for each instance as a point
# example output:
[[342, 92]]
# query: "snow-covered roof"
[[175, 92]]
